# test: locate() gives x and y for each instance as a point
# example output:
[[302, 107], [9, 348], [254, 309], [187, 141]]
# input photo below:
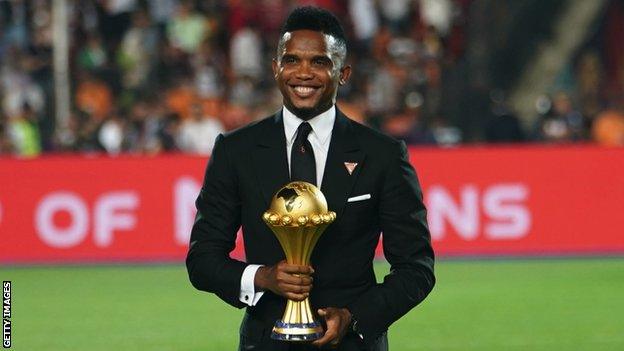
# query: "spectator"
[[137, 51], [111, 135], [209, 65], [181, 97], [198, 133], [365, 21], [438, 14], [18, 87], [158, 129], [14, 21], [187, 29], [503, 125], [590, 84], [245, 53], [562, 124], [6, 144], [114, 18], [608, 128], [92, 56], [93, 97], [160, 11], [396, 13], [24, 132]]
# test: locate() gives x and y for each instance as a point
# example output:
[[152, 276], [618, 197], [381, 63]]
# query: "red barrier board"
[[481, 201]]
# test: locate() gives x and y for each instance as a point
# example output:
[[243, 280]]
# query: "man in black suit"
[[367, 180]]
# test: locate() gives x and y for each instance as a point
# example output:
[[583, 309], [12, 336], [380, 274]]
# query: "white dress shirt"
[[319, 138]]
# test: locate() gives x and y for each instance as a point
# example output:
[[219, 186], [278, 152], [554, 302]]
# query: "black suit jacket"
[[249, 165]]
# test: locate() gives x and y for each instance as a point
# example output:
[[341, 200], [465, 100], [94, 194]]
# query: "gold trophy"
[[298, 216]]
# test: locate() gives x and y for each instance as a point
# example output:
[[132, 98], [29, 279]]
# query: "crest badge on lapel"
[[350, 166]]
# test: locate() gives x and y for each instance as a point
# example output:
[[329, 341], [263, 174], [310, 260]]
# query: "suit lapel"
[[269, 158], [344, 147]]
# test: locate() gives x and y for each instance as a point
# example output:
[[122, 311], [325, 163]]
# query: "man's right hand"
[[290, 281]]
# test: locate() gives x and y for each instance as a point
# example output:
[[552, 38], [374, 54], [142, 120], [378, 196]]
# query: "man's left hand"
[[337, 321]]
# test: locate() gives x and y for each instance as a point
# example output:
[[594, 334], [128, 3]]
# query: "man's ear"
[[275, 67], [345, 73]]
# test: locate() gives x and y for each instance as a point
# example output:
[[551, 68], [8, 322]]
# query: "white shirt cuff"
[[248, 294]]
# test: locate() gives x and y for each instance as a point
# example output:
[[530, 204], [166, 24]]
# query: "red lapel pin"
[[350, 166]]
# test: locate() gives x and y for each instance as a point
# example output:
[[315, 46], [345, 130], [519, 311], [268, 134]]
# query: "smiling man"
[[308, 69], [367, 180]]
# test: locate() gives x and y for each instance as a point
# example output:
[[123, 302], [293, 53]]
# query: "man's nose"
[[304, 71]]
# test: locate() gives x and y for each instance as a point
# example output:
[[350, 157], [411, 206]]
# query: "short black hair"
[[316, 19]]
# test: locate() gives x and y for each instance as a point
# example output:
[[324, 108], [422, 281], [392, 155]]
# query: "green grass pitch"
[[557, 304]]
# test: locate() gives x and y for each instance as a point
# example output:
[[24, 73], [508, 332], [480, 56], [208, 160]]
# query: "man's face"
[[306, 75]]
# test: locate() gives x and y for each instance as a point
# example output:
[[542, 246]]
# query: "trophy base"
[[297, 331]]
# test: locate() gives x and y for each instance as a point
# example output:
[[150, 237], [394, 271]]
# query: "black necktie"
[[302, 164]]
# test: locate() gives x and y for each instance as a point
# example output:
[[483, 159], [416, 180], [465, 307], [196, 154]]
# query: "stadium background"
[[513, 110]]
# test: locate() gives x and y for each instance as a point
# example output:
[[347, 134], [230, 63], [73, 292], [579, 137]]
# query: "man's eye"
[[321, 62], [288, 59]]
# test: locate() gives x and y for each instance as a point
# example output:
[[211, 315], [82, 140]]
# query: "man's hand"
[[337, 321], [290, 281]]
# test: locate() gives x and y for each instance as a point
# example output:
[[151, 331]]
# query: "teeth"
[[304, 90]]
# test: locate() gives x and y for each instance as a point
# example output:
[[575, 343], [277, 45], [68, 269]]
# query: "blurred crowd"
[[170, 75]]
